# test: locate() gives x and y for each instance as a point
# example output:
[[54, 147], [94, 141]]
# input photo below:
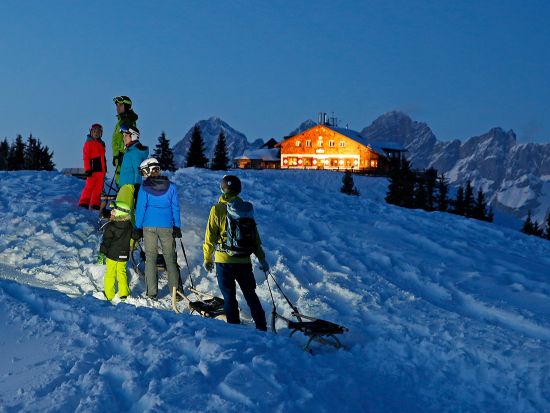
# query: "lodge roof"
[[380, 147]]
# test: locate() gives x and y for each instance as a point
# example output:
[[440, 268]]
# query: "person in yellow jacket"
[[233, 264], [126, 116]]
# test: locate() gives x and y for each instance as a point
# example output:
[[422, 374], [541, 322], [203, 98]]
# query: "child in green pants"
[[116, 247]]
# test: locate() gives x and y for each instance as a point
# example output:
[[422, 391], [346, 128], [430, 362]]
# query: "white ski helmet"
[[132, 130], [148, 166]]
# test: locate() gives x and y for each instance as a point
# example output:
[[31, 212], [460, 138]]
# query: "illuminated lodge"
[[325, 146]]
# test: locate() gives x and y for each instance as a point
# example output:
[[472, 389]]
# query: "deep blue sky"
[[265, 66]]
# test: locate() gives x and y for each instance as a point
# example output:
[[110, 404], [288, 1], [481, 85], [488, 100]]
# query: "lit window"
[[308, 143], [331, 144], [320, 144], [298, 143], [374, 163], [342, 144]]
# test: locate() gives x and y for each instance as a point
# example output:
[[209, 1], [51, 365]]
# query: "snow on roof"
[[378, 147], [260, 154]]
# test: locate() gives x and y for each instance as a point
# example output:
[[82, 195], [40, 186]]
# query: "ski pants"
[[151, 238], [116, 272], [91, 194], [227, 275]]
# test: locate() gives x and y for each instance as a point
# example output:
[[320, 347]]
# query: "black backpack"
[[241, 229]]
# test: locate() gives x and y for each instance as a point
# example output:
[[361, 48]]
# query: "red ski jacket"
[[94, 155]]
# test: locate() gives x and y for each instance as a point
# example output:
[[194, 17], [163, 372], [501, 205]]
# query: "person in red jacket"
[[95, 167]]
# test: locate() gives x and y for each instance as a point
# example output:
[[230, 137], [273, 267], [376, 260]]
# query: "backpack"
[[241, 229]]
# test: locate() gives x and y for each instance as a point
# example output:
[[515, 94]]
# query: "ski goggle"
[[96, 126], [121, 99], [114, 205]]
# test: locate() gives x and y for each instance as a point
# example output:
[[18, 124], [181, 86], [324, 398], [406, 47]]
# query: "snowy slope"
[[445, 314]]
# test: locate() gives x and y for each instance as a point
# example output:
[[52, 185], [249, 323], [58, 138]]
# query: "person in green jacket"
[[231, 267], [126, 116]]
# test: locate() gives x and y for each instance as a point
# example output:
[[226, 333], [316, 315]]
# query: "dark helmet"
[[230, 185], [125, 100]]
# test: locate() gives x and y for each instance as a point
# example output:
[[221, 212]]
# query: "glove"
[[264, 266], [88, 173], [208, 266], [137, 234], [101, 259], [176, 232]]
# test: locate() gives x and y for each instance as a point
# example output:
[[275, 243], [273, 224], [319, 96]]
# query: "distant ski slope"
[[445, 314]]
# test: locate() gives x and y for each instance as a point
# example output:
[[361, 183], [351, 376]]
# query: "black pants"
[[227, 275]]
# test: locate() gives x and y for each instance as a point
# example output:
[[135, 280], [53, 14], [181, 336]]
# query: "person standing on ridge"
[[231, 235], [95, 167], [130, 177], [126, 116], [158, 219]]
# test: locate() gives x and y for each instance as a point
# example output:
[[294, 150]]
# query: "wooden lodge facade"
[[328, 147]]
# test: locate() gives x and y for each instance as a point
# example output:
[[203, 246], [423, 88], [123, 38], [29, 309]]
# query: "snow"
[[445, 314]]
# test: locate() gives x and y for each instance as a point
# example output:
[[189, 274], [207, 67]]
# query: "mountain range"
[[515, 176]]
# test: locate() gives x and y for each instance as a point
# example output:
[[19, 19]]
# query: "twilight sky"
[[265, 66]]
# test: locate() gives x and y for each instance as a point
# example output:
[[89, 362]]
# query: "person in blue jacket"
[[157, 219], [130, 177]]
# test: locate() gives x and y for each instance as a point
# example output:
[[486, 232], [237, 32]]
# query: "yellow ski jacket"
[[216, 235]]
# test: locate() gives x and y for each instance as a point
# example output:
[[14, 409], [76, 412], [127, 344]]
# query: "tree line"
[[429, 191], [30, 155], [532, 227]]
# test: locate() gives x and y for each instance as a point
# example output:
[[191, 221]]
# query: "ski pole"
[[187, 264]]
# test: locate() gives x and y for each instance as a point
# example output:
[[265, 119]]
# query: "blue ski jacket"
[[157, 204], [129, 170]]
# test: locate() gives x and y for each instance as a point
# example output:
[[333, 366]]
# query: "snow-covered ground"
[[445, 314]]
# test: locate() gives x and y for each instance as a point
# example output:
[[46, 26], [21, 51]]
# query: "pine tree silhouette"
[[547, 228], [420, 195], [221, 160], [348, 186], [458, 203], [430, 179], [195, 155], [442, 194], [4, 153], [164, 154], [479, 209], [468, 199], [16, 157], [528, 226]]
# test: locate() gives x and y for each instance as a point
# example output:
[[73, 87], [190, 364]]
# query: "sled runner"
[[205, 304], [315, 329]]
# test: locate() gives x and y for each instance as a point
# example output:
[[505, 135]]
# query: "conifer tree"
[[442, 194], [164, 154], [479, 209], [195, 155], [220, 162], [420, 195], [430, 179], [458, 203], [528, 226], [16, 157], [468, 199], [46, 159], [547, 228], [4, 153], [490, 215], [348, 186]]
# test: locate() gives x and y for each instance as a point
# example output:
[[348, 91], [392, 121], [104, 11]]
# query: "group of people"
[[147, 207]]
